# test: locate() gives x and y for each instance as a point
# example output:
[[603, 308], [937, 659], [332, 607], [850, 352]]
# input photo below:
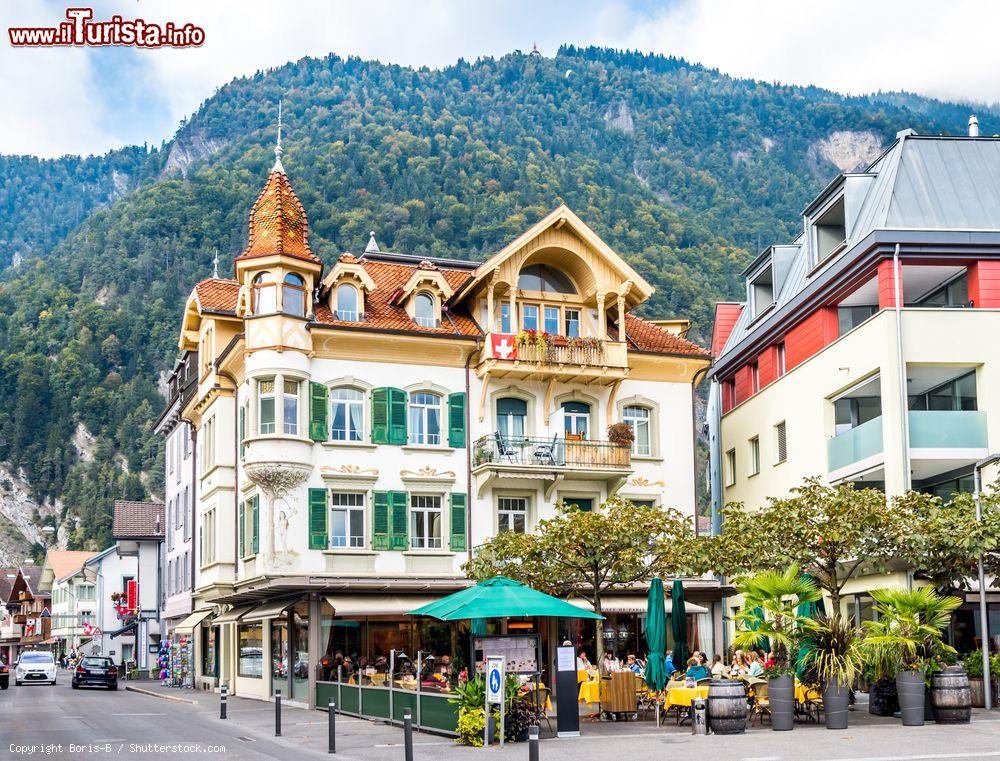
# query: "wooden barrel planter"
[[727, 707], [951, 696]]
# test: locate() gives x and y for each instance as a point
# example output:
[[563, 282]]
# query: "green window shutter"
[[456, 420], [400, 521], [241, 528], [318, 537], [243, 431], [255, 502], [380, 416], [458, 539], [380, 521], [317, 412], [397, 416]]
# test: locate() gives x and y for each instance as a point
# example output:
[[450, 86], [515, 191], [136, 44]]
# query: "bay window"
[[264, 292], [266, 418], [291, 407], [293, 295]]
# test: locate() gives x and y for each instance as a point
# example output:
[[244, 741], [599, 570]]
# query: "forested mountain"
[[683, 170]]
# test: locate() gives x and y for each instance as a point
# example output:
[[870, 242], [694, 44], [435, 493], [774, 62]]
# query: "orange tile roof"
[[218, 294], [278, 223], [382, 313], [66, 562], [645, 336]]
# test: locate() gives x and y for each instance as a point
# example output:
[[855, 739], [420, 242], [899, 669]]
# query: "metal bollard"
[[699, 716], [277, 713], [532, 743], [332, 714], [222, 701], [407, 734]]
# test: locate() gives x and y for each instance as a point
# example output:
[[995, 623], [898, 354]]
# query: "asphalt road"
[[94, 723]]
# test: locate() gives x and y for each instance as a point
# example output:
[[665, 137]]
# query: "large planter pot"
[[979, 692], [727, 707], [836, 698], [882, 698], [910, 688], [951, 696], [781, 696]]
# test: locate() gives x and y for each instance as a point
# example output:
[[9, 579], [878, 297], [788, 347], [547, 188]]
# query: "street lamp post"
[[984, 628]]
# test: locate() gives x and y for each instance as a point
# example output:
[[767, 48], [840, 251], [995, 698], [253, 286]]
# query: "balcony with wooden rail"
[[537, 356]]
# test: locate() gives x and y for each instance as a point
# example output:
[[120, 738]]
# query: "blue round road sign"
[[495, 680]]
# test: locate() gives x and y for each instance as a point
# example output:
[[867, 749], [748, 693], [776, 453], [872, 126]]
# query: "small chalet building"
[[363, 428]]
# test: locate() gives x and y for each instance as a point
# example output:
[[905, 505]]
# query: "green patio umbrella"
[[678, 625], [754, 624], [656, 637], [500, 597], [811, 610]]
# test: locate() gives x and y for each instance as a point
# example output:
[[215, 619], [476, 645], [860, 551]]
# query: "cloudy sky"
[[75, 100]]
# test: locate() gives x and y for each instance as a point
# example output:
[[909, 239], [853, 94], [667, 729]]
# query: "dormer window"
[[830, 231], [761, 291], [425, 310], [293, 295], [265, 294], [347, 303]]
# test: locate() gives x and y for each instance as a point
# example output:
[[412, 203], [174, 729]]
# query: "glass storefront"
[[210, 651], [279, 655], [251, 650], [299, 646]]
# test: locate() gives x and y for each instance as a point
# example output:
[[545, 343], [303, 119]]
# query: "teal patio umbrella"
[[754, 624], [656, 637], [500, 597], [811, 610], [678, 625]]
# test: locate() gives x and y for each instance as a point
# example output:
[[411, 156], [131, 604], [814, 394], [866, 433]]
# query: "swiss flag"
[[502, 346]]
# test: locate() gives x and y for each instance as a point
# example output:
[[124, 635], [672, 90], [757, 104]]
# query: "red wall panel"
[[810, 336], [726, 315], [887, 284], [984, 284], [742, 384], [767, 364]]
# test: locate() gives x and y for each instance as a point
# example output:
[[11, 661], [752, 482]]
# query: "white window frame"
[[347, 315], [634, 422], [425, 322], [351, 542], [730, 467], [290, 423], [778, 459], [425, 541], [422, 409], [753, 447], [505, 512], [362, 401], [272, 427]]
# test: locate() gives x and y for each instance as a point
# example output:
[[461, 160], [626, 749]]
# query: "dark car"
[[4, 675], [96, 671]]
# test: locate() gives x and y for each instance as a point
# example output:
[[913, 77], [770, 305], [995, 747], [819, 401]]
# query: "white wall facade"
[[178, 547]]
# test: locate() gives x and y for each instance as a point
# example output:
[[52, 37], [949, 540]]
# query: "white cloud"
[[54, 105]]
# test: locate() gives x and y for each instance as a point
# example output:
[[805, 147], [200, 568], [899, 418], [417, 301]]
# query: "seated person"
[[719, 669], [633, 665], [668, 664], [695, 670], [582, 662], [755, 668]]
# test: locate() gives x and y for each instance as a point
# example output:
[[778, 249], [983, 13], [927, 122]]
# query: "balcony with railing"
[[551, 458], [855, 445], [539, 356]]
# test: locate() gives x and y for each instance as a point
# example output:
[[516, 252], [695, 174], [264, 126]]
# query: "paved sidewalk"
[[869, 738]]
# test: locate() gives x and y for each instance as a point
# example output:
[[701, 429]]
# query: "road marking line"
[[138, 714], [981, 754]]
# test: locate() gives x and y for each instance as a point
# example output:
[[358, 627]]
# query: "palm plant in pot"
[[770, 612], [908, 634], [836, 658]]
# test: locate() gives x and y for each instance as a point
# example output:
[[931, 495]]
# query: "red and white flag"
[[502, 346]]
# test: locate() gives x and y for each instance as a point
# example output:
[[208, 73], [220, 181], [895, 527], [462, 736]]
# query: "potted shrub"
[[908, 634], [880, 667], [621, 434], [770, 603], [836, 658]]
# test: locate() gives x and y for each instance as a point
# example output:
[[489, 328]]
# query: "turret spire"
[[277, 146], [215, 265]]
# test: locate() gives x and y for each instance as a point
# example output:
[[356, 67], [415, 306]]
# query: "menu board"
[[520, 652]]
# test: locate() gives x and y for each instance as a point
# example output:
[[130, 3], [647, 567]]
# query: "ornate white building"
[[363, 428]]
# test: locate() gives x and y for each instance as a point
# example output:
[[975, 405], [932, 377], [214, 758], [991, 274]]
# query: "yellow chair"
[[761, 702]]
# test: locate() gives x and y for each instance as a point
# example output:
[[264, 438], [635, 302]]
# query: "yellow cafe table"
[[590, 692], [683, 696], [805, 694]]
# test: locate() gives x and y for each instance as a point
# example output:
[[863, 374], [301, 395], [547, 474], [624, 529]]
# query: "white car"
[[35, 666]]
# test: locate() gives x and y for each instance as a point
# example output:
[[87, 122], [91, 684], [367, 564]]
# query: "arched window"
[[423, 310], [638, 419], [512, 413], [347, 303], [542, 277], [293, 295], [347, 414], [577, 418], [265, 299]]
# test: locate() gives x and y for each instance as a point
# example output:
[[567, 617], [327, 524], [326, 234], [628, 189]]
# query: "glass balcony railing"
[[946, 429], [854, 445]]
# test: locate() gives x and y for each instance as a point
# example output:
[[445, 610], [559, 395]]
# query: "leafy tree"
[[591, 553], [832, 533]]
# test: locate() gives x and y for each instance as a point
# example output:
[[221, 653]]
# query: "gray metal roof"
[[919, 183]]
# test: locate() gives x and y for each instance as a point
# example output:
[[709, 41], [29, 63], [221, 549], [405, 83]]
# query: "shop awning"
[[269, 609], [631, 604], [234, 615], [377, 605], [187, 625]]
